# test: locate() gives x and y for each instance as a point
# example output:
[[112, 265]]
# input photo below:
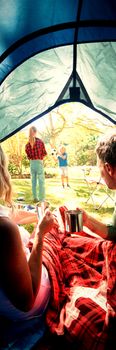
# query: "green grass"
[[75, 196]]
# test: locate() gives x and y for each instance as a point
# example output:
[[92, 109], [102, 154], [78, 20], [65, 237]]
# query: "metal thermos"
[[73, 220]]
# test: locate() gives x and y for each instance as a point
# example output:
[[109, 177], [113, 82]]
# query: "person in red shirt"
[[35, 150]]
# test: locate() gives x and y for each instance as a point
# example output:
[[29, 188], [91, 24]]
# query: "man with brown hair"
[[106, 160]]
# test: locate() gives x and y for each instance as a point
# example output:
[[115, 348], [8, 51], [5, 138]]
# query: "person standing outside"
[[63, 165], [35, 150]]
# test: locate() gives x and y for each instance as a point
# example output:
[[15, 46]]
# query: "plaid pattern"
[[83, 278], [37, 152]]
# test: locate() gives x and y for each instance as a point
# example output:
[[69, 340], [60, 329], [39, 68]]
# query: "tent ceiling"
[[55, 51]]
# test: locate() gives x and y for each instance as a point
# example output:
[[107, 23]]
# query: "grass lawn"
[[75, 196]]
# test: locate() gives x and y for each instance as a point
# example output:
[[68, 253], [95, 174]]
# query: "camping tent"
[[54, 52]]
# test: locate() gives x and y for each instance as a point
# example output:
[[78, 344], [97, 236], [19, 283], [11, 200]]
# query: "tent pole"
[[75, 42]]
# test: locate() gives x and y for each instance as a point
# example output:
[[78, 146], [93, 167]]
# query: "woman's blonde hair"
[[32, 130], [5, 180]]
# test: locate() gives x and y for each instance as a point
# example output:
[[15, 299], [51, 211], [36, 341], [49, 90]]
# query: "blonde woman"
[[35, 150], [24, 284]]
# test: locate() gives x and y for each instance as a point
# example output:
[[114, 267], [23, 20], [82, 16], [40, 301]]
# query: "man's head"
[[106, 159]]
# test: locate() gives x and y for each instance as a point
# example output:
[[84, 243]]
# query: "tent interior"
[[55, 52]]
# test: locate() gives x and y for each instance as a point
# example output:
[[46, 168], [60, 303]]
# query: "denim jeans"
[[37, 179]]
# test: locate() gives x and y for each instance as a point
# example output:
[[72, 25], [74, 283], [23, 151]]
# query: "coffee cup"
[[73, 220]]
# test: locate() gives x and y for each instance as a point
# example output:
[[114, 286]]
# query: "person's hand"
[[85, 217], [47, 223]]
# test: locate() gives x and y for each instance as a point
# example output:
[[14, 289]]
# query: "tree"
[[72, 124], [15, 149]]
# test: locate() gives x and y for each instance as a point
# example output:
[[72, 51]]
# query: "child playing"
[[63, 165]]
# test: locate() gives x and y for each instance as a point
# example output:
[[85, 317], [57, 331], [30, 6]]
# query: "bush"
[[13, 168]]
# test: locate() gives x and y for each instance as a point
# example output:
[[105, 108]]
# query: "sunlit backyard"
[[83, 181]]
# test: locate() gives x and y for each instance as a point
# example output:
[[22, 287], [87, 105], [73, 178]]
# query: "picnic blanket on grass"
[[82, 271]]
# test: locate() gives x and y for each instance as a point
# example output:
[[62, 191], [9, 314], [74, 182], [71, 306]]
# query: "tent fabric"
[[50, 49]]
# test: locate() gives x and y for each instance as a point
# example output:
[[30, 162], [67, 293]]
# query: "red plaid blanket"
[[82, 307]]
